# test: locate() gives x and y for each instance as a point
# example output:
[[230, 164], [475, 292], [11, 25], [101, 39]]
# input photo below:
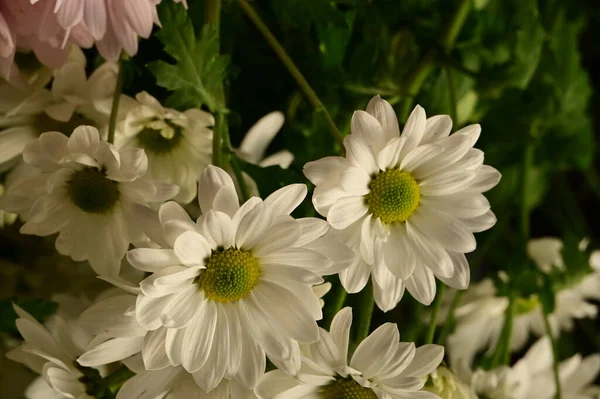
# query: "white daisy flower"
[[234, 286], [447, 385], [86, 191], [178, 144], [480, 317], [51, 352], [381, 367], [408, 204]]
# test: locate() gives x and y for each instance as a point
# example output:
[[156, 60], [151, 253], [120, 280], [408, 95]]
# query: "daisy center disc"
[[394, 196], [347, 389], [91, 191], [230, 275], [152, 140]]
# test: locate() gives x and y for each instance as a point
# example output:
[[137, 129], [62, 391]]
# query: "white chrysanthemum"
[[233, 286], [74, 99], [86, 191], [447, 385], [480, 318], [51, 352], [380, 367], [178, 144], [408, 204]]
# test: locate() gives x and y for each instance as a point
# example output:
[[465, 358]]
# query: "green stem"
[[334, 301], [554, 353], [449, 323], [452, 96], [114, 111], [424, 68], [212, 13], [115, 380], [365, 311], [218, 140], [591, 175], [502, 352], [524, 214], [292, 69], [437, 303], [237, 171]]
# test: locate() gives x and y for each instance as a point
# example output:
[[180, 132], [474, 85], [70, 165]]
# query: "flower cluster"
[[228, 283]]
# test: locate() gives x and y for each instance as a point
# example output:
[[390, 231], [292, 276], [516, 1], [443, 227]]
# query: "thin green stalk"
[[334, 301], [217, 144], [212, 13], [591, 175], [525, 172], [452, 96], [502, 352], [448, 324], [424, 68], [554, 354], [114, 111], [365, 312], [437, 303], [239, 176], [292, 69]]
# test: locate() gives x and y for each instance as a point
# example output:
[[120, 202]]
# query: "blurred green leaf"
[[40, 309]]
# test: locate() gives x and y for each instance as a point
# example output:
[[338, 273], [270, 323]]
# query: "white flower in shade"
[[481, 315], [407, 204], [447, 385], [254, 145], [74, 99], [380, 367], [232, 287], [51, 352], [178, 144], [86, 191]]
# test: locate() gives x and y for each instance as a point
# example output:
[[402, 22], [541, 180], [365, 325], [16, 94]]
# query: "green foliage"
[[198, 69], [40, 309]]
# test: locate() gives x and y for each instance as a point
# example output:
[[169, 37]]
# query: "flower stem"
[[555, 359], [115, 380], [114, 110], [365, 311], [292, 69], [450, 319], [524, 215], [218, 139], [237, 171], [212, 13], [437, 303], [502, 352], [334, 302], [424, 68]]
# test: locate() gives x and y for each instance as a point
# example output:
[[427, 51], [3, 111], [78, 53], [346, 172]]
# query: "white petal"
[[414, 129], [389, 156], [192, 249], [260, 135], [480, 223], [420, 156], [444, 229], [360, 155], [356, 276], [427, 358], [485, 179], [375, 351], [111, 351], [366, 127], [286, 199], [148, 385], [325, 169], [152, 260], [384, 113], [253, 226], [421, 285], [340, 331], [346, 211], [437, 127], [154, 354], [462, 274], [213, 179], [446, 183], [219, 228], [355, 181], [312, 228], [281, 236]]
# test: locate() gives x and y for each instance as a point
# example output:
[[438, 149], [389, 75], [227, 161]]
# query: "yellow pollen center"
[[347, 389], [394, 196], [230, 275]]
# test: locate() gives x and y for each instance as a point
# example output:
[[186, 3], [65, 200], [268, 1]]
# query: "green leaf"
[[40, 309], [198, 69]]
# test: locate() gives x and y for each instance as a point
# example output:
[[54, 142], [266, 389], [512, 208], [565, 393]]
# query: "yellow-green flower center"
[[153, 141], [230, 275], [346, 389], [91, 191], [393, 197], [526, 305]]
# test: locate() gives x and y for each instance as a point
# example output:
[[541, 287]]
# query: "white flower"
[[51, 352], [447, 385], [380, 367], [86, 191], [178, 145], [480, 317], [408, 204], [255, 143], [29, 110], [231, 288]]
